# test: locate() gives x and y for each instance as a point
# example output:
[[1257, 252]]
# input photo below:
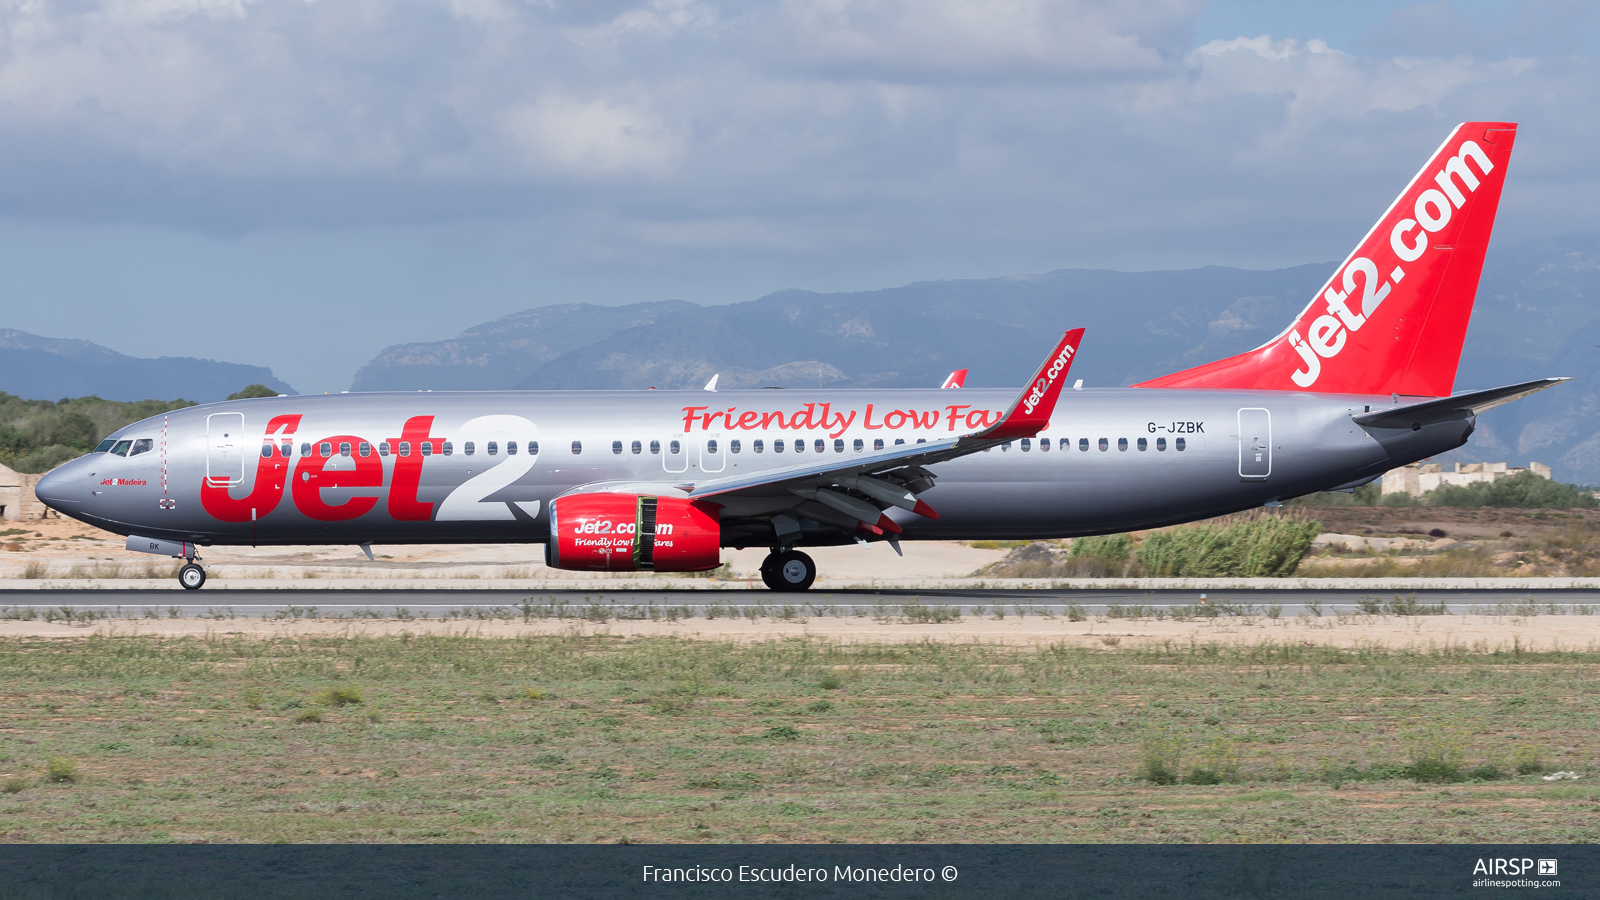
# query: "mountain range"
[[46, 368], [1535, 315]]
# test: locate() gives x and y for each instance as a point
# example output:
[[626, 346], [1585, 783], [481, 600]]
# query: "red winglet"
[[889, 525], [923, 509], [956, 379], [1030, 412]]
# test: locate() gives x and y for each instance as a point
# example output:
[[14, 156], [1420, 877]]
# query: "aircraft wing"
[[892, 476], [1458, 406]]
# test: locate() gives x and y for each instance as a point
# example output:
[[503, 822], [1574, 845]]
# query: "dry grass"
[[594, 738]]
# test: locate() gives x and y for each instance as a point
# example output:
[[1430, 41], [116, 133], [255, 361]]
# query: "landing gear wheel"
[[790, 570], [191, 577]]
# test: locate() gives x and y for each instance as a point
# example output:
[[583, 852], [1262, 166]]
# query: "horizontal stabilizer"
[[1457, 407]]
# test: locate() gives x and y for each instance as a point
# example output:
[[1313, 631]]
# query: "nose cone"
[[60, 488]]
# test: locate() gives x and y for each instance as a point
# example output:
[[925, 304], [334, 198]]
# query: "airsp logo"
[[1498, 866]]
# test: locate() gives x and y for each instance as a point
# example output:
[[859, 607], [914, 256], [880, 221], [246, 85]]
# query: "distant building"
[[1419, 478], [17, 500]]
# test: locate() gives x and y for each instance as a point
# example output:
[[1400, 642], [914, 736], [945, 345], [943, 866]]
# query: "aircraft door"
[[713, 453], [1255, 444], [224, 449], [675, 455]]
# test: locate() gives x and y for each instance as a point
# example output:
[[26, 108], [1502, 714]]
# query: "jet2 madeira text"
[[1359, 383]]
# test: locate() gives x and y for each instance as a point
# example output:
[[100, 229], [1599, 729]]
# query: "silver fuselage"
[[1240, 449]]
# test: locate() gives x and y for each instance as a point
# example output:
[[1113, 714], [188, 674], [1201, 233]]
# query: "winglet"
[[1030, 412], [956, 379]]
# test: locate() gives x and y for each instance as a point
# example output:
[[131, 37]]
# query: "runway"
[[165, 602]]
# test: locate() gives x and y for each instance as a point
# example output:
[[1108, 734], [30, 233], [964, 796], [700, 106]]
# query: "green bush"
[[59, 770], [38, 435], [345, 696], [1159, 758], [1269, 546], [253, 391], [1523, 490]]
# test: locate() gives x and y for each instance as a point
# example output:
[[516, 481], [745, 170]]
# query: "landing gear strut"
[[789, 570], [191, 576]]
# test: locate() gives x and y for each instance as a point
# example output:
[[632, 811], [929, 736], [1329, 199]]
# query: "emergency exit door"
[[1255, 444]]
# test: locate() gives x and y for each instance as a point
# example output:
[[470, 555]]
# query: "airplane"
[[1359, 383]]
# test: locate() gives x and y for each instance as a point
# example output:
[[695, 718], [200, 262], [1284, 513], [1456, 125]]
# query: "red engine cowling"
[[629, 532]]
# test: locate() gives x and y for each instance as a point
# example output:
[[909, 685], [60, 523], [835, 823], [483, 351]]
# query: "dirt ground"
[[1481, 634], [59, 546], [1486, 522]]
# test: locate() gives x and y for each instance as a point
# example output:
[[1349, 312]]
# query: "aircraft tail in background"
[[1393, 317]]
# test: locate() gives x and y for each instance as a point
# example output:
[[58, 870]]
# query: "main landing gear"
[[191, 576], [788, 570]]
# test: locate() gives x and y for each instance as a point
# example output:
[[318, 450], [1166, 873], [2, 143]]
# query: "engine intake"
[[633, 532]]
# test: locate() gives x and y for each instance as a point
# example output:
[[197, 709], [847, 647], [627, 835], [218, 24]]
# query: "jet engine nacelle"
[[631, 532]]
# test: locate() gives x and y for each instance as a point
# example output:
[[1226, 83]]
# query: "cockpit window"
[[105, 445], [142, 445], [121, 449]]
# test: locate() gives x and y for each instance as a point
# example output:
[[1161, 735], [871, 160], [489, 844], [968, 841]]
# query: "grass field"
[[601, 739]]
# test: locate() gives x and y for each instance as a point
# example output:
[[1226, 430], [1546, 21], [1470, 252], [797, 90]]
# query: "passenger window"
[[105, 445], [533, 448], [922, 440], [266, 450], [838, 446], [1044, 444], [144, 445], [405, 448], [877, 443], [1143, 445], [711, 446], [858, 445], [577, 447], [466, 448], [1161, 444], [799, 446], [1122, 444], [616, 448], [777, 446], [1104, 445], [492, 448], [305, 449], [448, 448], [674, 448], [1066, 444], [655, 447], [1025, 444], [637, 448], [1006, 447], [121, 448], [326, 449], [820, 444], [757, 445], [511, 448], [1177, 444], [344, 448], [425, 446], [285, 449], [733, 446], [899, 441]]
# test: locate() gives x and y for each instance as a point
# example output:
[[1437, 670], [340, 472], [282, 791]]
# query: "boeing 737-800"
[[1359, 383]]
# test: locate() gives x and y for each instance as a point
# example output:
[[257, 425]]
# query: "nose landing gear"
[[788, 570], [191, 576]]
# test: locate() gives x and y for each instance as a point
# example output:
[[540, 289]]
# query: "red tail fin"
[[1394, 315]]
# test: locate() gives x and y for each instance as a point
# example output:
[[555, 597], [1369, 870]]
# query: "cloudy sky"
[[299, 184]]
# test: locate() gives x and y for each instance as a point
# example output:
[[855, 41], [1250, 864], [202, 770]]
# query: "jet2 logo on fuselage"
[[1179, 427]]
